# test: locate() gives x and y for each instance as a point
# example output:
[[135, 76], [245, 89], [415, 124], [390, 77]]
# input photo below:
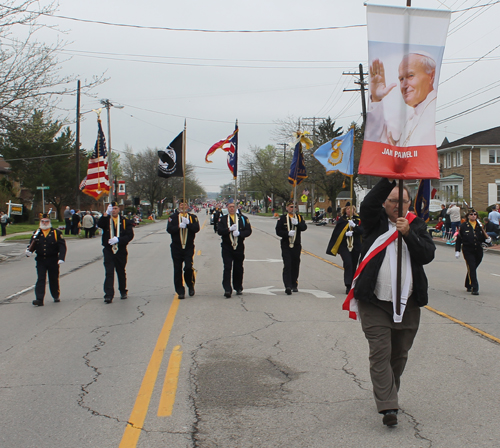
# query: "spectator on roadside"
[[67, 220], [453, 213], [438, 230], [494, 218], [490, 229], [75, 223], [88, 224], [4, 221]]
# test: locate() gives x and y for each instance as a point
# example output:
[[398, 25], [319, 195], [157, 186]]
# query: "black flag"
[[171, 163]]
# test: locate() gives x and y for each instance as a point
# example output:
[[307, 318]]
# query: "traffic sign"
[[43, 187], [303, 198]]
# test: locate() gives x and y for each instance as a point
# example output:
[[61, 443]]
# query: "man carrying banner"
[[183, 227], [289, 228], [117, 232], [50, 248], [390, 336], [233, 228]]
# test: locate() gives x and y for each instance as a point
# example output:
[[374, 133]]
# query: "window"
[[494, 156], [448, 160], [459, 158]]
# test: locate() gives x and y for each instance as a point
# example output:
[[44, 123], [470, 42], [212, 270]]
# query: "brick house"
[[470, 169]]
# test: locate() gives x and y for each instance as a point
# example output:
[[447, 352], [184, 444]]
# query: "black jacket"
[[419, 243], [469, 238], [174, 229], [357, 233], [126, 231], [282, 230], [52, 246], [243, 226]]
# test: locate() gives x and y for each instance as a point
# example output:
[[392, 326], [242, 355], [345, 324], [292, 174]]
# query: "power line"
[[469, 111]]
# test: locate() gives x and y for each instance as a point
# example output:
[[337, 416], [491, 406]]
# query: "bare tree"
[[29, 70]]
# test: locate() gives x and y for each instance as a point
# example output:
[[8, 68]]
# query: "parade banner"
[[337, 154], [97, 181], [170, 160], [405, 50], [229, 145]]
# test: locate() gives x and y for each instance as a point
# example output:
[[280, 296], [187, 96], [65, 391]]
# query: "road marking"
[[199, 252], [268, 260], [322, 259], [470, 327], [169, 390], [496, 275], [267, 291], [138, 415]]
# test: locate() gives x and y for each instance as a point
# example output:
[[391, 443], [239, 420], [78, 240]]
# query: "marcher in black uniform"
[[233, 228], [346, 241], [469, 239], [117, 232], [217, 215], [50, 248], [289, 228], [182, 227]]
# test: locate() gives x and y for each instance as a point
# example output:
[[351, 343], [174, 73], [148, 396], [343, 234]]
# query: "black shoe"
[[108, 299], [469, 289], [124, 295], [288, 291], [57, 299], [191, 292], [227, 294], [37, 302], [475, 293], [239, 292], [295, 289], [390, 417]]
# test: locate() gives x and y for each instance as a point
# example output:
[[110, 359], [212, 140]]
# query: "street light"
[[108, 104]]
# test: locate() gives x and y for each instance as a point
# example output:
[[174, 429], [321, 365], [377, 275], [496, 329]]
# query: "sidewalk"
[[442, 242]]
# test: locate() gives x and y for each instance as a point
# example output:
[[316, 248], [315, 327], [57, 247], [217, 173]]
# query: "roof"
[[453, 176], [4, 166], [488, 137]]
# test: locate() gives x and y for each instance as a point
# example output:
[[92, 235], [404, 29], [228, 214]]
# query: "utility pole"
[[108, 104], [285, 145], [362, 84], [77, 144]]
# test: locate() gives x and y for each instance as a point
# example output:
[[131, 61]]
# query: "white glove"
[[109, 209], [236, 233], [113, 241], [348, 233], [295, 221], [185, 220], [233, 228], [182, 225], [28, 253], [352, 223], [291, 233], [60, 262], [488, 240], [457, 254]]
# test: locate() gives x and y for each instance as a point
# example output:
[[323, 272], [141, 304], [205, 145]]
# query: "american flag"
[[97, 183], [229, 145]]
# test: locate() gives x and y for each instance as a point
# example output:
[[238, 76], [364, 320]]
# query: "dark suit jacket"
[[419, 242]]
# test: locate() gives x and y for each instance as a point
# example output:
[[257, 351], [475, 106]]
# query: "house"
[[470, 169]]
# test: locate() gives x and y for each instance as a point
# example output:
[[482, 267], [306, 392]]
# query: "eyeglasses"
[[395, 201], [472, 214], [45, 221]]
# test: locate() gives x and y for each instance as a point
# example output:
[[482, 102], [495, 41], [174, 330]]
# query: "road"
[[258, 370]]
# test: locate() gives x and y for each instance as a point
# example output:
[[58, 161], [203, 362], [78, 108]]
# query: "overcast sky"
[[163, 76]]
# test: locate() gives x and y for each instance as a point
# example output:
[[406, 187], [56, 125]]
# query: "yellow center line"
[[199, 252], [138, 415], [470, 327], [440, 313], [169, 390], [204, 223], [322, 259]]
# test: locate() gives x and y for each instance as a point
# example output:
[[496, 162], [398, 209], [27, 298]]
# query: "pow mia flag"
[[170, 163]]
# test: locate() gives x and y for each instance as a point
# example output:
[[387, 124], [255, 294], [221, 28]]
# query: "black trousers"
[[88, 232], [291, 264], [183, 257], [46, 266], [4, 229], [472, 261], [350, 260], [115, 262], [67, 230], [233, 261]]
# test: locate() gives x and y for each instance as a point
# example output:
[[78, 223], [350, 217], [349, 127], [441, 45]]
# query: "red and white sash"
[[350, 303]]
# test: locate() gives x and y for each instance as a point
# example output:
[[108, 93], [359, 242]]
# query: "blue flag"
[[297, 169], [338, 154], [423, 199]]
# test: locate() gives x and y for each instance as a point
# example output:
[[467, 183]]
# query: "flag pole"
[[400, 237], [184, 164], [236, 168]]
